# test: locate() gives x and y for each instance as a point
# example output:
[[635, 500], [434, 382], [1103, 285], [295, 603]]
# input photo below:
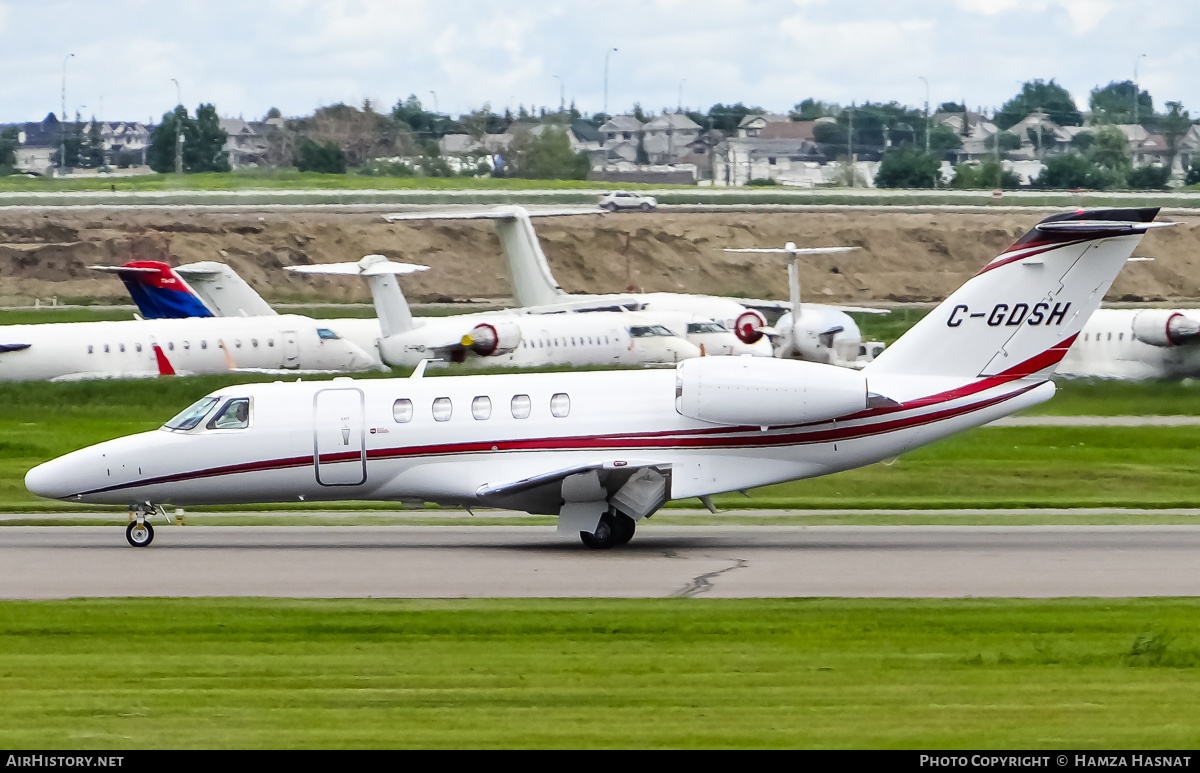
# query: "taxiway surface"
[[41, 562]]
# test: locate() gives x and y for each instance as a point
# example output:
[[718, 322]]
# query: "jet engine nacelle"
[[748, 327], [1164, 327], [763, 392], [489, 339]]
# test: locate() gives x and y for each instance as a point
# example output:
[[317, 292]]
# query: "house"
[[620, 128], [973, 129], [245, 143], [38, 143]]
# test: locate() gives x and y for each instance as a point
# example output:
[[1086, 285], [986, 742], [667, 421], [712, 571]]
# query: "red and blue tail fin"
[[158, 291]]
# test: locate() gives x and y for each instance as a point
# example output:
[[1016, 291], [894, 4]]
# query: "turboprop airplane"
[[1136, 344], [827, 333], [604, 450]]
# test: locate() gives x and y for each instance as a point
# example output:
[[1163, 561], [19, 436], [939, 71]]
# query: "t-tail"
[[1018, 316], [391, 308], [158, 291], [533, 283]]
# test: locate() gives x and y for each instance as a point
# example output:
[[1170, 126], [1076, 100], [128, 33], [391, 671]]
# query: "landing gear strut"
[[139, 532], [615, 528]]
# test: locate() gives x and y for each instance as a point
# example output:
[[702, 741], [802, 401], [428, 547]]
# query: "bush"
[[907, 167], [383, 168], [326, 159], [989, 174], [1074, 171], [761, 181], [1149, 177]]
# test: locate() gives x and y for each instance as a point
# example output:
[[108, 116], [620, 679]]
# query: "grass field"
[[676, 673]]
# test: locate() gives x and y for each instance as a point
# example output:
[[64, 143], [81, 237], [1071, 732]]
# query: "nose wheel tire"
[[613, 530], [139, 534]]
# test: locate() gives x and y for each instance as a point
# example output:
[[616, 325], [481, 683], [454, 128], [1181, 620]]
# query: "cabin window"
[[402, 410], [560, 405], [120, 347], [1120, 336], [187, 345], [254, 342], [270, 342], [204, 344], [442, 409], [325, 334], [192, 415], [136, 347], [1110, 336], [106, 348], [521, 406], [481, 408], [170, 346], [235, 414], [237, 343]]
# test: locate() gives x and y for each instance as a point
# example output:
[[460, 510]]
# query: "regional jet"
[[605, 450], [820, 334], [1136, 344]]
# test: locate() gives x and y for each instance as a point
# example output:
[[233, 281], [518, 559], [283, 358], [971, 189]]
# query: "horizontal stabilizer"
[[390, 306], [792, 250], [370, 265]]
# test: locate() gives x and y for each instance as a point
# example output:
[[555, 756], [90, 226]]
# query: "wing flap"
[[546, 493]]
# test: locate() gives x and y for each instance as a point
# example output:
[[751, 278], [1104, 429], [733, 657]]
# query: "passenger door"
[[339, 437]]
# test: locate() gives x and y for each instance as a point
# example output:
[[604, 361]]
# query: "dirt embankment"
[[904, 256]]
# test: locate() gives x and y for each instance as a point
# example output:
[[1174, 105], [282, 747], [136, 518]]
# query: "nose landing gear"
[[139, 532]]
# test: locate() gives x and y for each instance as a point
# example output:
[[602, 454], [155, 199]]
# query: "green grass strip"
[[667, 673]]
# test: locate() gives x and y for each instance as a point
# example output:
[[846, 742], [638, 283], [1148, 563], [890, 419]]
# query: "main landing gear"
[[139, 532], [615, 528]]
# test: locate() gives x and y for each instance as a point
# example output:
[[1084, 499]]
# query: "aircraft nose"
[[52, 480]]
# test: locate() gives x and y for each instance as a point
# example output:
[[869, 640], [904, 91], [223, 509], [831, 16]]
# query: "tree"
[[1193, 173], [1050, 98], [725, 118], [545, 156], [1073, 171], [810, 110], [907, 167], [325, 158], [91, 153], [203, 141], [1175, 124], [9, 143], [1114, 103], [952, 107], [1110, 150], [1008, 141], [944, 141]]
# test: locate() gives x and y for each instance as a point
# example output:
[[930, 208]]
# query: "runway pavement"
[[662, 561]]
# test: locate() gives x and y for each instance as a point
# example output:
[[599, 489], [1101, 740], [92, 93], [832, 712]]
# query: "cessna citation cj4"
[[603, 450]]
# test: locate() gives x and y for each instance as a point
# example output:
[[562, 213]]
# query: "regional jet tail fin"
[[1018, 316], [533, 284], [390, 306], [223, 291], [158, 290]]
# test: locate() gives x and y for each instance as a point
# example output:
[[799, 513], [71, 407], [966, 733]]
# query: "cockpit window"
[[648, 331], [192, 415], [325, 334], [235, 414], [705, 327]]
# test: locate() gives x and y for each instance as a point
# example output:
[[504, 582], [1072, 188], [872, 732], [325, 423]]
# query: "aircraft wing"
[[779, 307], [546, 493]]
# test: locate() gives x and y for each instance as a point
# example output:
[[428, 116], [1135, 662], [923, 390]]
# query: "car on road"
[[625, 200]]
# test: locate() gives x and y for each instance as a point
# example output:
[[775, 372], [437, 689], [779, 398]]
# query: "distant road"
[[662, 561]]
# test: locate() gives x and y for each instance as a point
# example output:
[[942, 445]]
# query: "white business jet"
[[829, 334], [604, 450], [505, 338]]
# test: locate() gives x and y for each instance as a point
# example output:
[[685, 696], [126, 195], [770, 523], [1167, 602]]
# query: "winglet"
[[164, 365]]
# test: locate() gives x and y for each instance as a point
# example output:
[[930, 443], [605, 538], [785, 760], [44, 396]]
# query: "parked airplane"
[[205, 289], [826, 333], [71, 351], [1136, 344], [603, 450]]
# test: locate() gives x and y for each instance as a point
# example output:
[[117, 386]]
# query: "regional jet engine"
[[489, 339], [1164, 327]]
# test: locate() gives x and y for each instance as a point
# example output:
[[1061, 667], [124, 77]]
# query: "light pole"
[[606, 55], [679, 109], [178, 129], [62, 159], [926, 82], [435, 104], [562, 95], [1135, 87]]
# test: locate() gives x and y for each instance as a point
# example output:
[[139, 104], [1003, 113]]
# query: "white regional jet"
[[1136, 344], [823, 333], [169, 343], [603, 450]]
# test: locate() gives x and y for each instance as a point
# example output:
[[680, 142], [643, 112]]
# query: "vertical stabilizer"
[[1019, 315], [223, 291], [533, 284], [158, 291]]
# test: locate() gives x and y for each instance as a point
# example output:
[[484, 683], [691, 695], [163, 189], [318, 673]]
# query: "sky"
[[123, 59]]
